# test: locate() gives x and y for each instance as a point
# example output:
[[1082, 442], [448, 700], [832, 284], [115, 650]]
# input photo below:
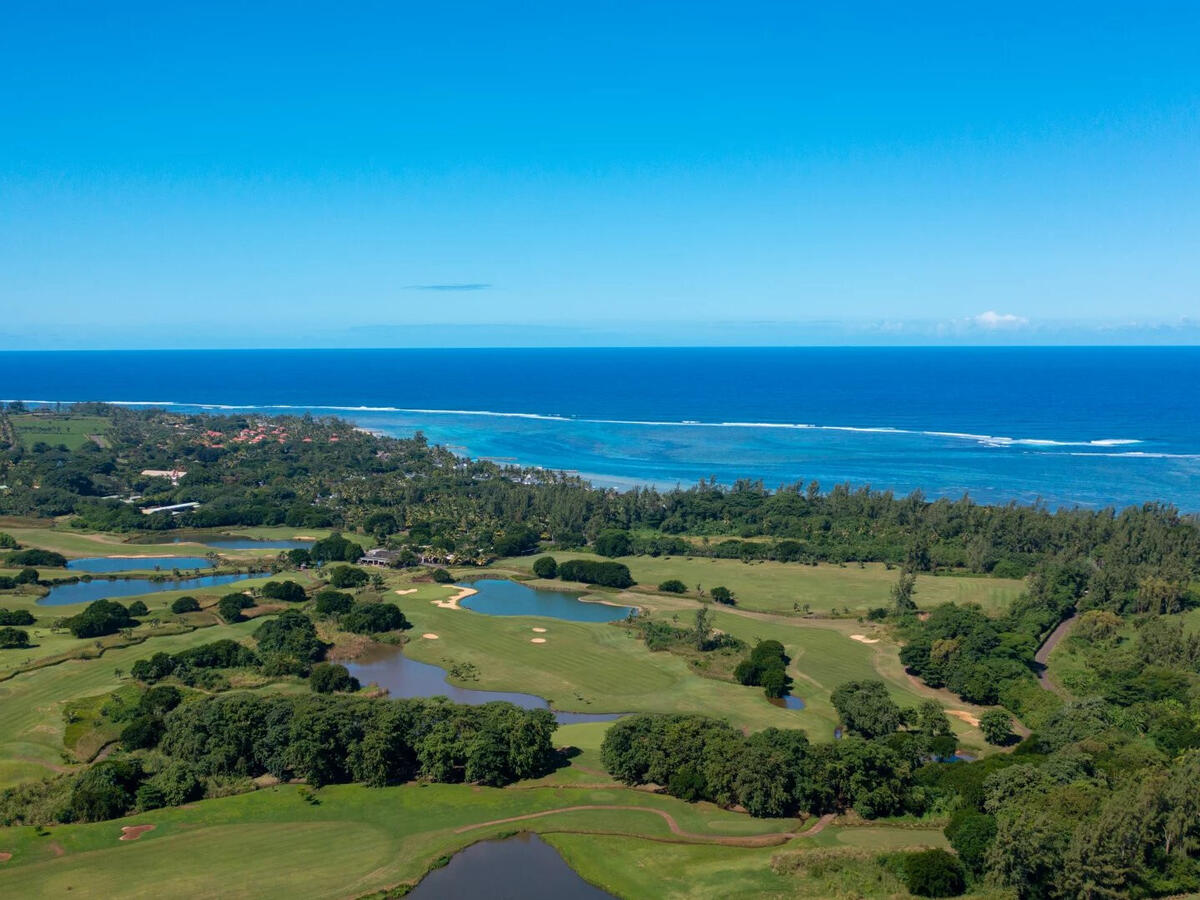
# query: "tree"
[[326, 678], [139, 608], [347, 577], [613, 542], [106, 790], [441, 576], [373, 618], [289, 643], [16, 617], [723, 595], [331, 603], [101, 617], [230, 607], [866, 708], [185, 605], [703, 630], [932, 719], [13, 638], [934, 873], [971, 833], [545, 567], [996, 726], [902, 593], [673, 586], [287, 591]]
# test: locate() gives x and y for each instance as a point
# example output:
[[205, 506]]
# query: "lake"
[[106, 564], [500, 597], [389, 668], [522, 867], [104, 589]]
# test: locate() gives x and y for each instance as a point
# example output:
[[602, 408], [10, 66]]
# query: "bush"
[[185, 605], [8, 542], [142, 733], [326, 678], [13, 638], [441, 576], [157, 667], [673, 586], [178, 782], [934, 873], [105, 791], [372, 618], [289, 643], [16, 617], [996, 726], [723, 595], [100, 618], [766, 666], [971, 833], [139, 608], [608, 574], [333, 603], [47, 559], [27, 575], [230, 607], [287, 591], [545, 567], [347, 577], [335, 548]]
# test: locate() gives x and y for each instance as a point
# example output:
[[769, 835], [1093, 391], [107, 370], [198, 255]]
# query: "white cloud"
[[993, 319]]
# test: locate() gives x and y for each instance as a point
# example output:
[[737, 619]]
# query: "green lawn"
[[73, 431], [72, 543], [783, 587]]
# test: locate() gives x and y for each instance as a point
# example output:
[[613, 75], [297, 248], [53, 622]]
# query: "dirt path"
[[1042, 657], [757, 840]]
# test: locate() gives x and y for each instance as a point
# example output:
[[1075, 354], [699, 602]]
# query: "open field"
[[73, 431], [786, 587], [72, 543]]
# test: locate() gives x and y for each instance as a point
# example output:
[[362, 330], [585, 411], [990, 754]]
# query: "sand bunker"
[[540, 630], [430, 636], [863, 639], [5, 857], [537, 640], [133, 832], [967, 717], [408, 591], [452, 602]]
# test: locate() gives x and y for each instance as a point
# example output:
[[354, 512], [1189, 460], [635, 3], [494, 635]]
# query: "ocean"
[[1091, 427]]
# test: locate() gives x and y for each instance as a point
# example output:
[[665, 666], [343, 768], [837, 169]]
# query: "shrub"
[[139, 608], [287, 591], [185, 605], [177, 782], [673, 586], [326, 678], [142, 733], [971, 833], [441, 576], [8, 542], [105, 791], [12, 638], [28, 575], [157, 667], [333, 603], [347, 577], [230, 607], [47, 559], [545, 567], [608, 574], [372, 618], [934, 873], [100, 618], [16, 617], [289, 643], [996, 726], [723, 595]]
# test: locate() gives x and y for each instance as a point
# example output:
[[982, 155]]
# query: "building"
[[379, 557]]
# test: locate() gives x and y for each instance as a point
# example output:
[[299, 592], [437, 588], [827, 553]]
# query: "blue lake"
[[104, 589], [389, 668], [787, 701], [523, 866], [105, 564], [499, 597]]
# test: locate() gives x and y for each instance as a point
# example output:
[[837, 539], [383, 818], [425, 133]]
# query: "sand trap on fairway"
[[452, 602], [5, 857], [540, 630], [863, 639], [409, 591], [430, 636], [133, 832], [967, 717], [537, 640]]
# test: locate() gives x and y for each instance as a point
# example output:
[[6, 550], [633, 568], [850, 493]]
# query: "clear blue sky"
[[310, 174]]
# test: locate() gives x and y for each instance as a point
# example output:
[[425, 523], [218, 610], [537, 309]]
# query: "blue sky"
[[351, 174]]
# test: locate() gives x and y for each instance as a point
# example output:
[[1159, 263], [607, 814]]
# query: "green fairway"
[[73, 543], [787, 587], [72, 431]]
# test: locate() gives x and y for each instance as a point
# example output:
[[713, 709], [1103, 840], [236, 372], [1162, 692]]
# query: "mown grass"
[[786, 587], [73, 431]]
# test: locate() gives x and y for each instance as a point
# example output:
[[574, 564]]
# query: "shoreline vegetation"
[[910, 630]]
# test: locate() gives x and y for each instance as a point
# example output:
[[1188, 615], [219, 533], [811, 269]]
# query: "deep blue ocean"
[[1086, 426]]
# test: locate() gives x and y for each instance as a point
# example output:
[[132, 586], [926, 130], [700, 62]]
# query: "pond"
[[500, 597], [104, 589], [787, 701], [105, 564], [389, 668], [522, 867]]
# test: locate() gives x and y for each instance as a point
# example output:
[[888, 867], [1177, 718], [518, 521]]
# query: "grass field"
[[783, 587], [72, 543], [73, 431]]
